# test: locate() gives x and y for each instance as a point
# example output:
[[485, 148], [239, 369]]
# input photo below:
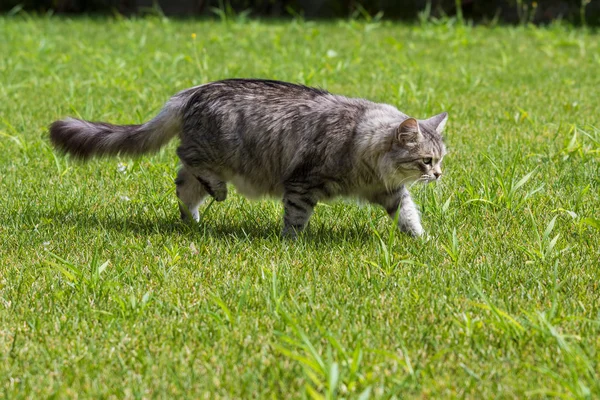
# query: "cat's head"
[[416, 151]]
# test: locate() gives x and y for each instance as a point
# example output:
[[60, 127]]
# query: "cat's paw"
[[290, 232], [412, 230], [187, 215]]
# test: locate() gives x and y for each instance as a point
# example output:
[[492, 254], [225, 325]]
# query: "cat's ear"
[[438, 122], [408, 131]]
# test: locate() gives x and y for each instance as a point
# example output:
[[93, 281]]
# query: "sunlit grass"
[[103, 292]]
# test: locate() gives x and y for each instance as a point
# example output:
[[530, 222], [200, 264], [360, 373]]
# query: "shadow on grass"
[[241, 227]]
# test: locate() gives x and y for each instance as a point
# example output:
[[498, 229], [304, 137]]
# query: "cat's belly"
[[253, 190]]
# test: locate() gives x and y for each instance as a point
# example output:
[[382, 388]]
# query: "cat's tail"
[[85, 139]]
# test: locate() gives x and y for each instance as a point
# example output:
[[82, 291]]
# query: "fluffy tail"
[[84, 139]]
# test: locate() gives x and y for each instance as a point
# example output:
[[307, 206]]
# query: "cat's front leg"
[[409, 220], [401, 208]]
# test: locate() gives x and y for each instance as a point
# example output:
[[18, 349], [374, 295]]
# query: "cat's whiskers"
[[422, 178], [391, 186]]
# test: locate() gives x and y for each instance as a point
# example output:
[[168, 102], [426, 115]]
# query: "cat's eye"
[[428, 160]]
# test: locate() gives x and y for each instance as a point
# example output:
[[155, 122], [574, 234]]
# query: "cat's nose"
[[437, 174]]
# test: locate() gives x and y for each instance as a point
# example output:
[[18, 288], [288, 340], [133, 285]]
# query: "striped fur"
[[84, 139], [271, 138]]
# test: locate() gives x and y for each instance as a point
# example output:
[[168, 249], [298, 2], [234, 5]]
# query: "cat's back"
[[261, 133], [266, 97], [253, 89]]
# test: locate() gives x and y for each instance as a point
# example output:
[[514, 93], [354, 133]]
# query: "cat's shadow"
[[243, 227]]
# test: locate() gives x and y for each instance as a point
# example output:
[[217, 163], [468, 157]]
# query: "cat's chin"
[[425, 179], [422, 179], [402, 180]]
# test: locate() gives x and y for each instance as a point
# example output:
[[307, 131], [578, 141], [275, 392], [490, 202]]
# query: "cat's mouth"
[[410, 179], [427, 178]]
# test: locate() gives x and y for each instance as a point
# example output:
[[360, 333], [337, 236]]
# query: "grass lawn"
[[104, 293]]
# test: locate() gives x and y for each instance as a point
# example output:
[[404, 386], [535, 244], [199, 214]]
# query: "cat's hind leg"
[[298, 207], [211, 182], [190, 193]]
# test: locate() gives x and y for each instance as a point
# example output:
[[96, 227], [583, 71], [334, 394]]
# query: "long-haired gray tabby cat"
[[279, 139]]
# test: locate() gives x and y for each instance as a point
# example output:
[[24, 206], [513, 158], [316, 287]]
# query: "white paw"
[[188, 216], [413, 230], [417, 231]]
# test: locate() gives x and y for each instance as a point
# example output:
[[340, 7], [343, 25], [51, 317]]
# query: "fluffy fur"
[[278, 139]]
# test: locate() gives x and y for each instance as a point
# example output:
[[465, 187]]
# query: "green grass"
[[104, 293]]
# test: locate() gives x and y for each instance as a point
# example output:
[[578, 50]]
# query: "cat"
[[278, 139]]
